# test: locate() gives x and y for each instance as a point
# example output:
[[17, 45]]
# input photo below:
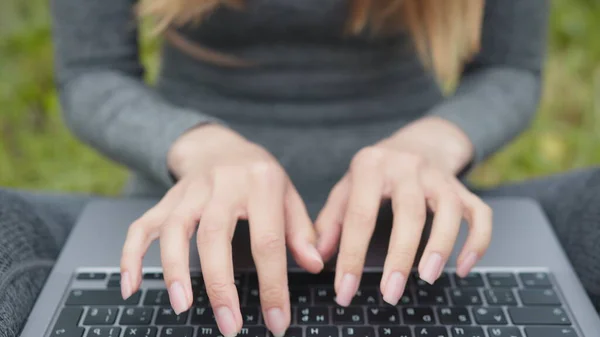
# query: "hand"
[[223, 178], [389, 170]]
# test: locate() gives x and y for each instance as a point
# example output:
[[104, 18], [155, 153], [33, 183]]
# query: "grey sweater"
[[313, 98]]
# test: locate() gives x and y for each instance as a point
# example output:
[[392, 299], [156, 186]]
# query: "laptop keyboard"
[[484, 304]]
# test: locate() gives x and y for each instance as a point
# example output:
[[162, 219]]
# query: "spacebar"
[[101, 297]]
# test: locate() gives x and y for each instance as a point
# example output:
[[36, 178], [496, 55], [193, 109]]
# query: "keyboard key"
[[250, 315], [465, 297], [200, 297], [414, 316], [167, 316], [502, 280], [359, 331], [535, 280], [294, 331], [91, 276], [550, 331], [114, 283], [101, 316], [539, 297], [197, 282], [395, 331], [136, 316], [208, 331], [430, 331], [300, 296], [302, 280], [539, 316], [254, 331], [366, 297], [138, 331], [442, 282], [68, 318], [177, 332], [103, 332], [431, 296], [67, 332], [370, 279], [153, 276], [324, 295], [313, 315], [115, 276], [454, 316], [157, 297], [350, 315], [504, 332], [383, 315], [466, 331], [101, 297], [500, 297], [489, 316], [322, 331], [202, 316], [472, 280], [253, 296]]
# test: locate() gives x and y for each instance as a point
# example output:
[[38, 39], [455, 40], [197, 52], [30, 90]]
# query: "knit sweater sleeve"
[[104, 98], [500, 89]]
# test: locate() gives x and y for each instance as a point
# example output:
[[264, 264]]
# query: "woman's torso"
[[313, 95]]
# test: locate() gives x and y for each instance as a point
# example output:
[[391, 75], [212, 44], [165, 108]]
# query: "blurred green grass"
[[37, 151]]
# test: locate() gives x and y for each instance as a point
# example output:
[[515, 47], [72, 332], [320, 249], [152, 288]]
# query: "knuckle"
[[269, 242], [368, 157], [273, 295], [450, 197], [360, 216], [207, 232], [352, 260], [267, 172], [401, 258], [218, 292]]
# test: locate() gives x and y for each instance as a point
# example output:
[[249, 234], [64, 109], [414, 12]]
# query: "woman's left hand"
[[415, 178]]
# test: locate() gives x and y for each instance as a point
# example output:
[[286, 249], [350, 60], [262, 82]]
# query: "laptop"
[[523, 287]]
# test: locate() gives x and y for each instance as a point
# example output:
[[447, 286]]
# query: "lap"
[[33, 228]]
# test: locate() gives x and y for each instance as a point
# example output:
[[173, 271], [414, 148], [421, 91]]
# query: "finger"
[[479, 217], [446, 224], [408, 204], [330, 219], [140, 235], [267, 235], [175, 236], [359, 223], [214, 246], [300, 233]]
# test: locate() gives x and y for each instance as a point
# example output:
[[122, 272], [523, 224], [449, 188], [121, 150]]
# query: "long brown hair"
[[446, 33]]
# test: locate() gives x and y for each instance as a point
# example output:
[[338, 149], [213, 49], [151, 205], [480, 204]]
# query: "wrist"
[[439, 141], [193, 148]]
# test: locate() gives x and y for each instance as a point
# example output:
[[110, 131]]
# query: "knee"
[[23, 234]]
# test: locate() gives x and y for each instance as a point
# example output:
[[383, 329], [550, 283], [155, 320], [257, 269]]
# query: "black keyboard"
[[484, 304]]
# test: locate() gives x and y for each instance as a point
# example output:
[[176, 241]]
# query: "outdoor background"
[[36, 150]]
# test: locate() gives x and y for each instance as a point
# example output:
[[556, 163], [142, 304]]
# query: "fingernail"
[[125, 285], [226, 322], [467, 264], [276, 322], [394, 288], [178, 298], [432, 268], [347, 290], [314, 254]]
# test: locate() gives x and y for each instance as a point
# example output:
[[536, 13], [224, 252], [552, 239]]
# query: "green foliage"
[[37, 151]]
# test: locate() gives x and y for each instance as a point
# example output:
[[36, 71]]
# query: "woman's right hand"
[[223, 178]]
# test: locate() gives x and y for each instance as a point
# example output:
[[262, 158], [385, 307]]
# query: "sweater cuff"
[[467, 115]]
